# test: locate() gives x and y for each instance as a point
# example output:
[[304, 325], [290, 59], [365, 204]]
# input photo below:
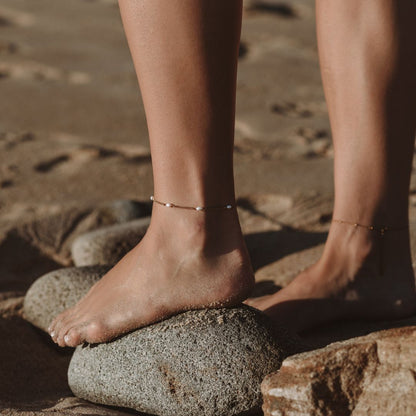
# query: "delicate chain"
[[199, 208], [381, 231]]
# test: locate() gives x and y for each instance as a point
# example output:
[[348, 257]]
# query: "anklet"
[[380, 230], [170, 205]]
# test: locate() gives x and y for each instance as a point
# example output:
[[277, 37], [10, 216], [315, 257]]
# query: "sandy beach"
[[73, 138]]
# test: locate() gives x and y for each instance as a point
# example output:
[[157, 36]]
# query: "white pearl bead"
[[168, 205], [152, 198], [199, 208], [229, 206]]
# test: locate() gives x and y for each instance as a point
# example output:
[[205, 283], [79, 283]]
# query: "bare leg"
[[185, 54], [368, 62]]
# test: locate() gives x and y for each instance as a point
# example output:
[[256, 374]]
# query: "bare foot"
[[187, 260], [346, 282]]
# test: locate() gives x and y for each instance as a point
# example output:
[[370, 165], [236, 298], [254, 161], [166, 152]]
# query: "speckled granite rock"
[[58, 290], [108, 245], [199, 363], [370, 375]]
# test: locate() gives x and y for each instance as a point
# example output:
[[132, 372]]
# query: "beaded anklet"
[[380, 230], [199, 208]]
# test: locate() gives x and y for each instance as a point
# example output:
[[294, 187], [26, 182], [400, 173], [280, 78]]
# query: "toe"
[[54, 331], [253, 302], [73, 338], [96, 332], [250, 302], [60, 322], [52, 326], [260, 303], [60, 341], [64, 330]]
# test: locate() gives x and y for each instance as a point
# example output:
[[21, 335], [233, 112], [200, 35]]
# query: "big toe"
[[96, 332], [260, 303]]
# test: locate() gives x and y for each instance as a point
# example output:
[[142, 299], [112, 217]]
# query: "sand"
[[73, 135]]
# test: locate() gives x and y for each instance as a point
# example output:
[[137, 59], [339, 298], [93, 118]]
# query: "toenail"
[[67, 339], [52, 334]]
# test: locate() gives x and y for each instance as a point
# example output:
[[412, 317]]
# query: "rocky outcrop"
[[369, 375]]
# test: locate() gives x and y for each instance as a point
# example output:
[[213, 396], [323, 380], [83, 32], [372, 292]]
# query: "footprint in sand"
[[9, 140], [291, 109], [303, 142], [317, 142], [48, 165], [30, 70], [6, 183], [299, 109], [72, 161], [256, 150]]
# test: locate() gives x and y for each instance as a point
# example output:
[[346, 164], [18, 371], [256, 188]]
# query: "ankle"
[[378, 250], [349, 245], [212, 240], [198, 229], [379, 216]]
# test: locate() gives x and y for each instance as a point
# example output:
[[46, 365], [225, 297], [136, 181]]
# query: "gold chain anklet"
[[380, 230], [199, 208]]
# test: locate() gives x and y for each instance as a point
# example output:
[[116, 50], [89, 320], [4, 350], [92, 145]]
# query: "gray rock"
[[108, 245], [199, 363], [58, 290]]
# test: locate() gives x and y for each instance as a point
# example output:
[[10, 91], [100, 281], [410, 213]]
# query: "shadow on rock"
[[315, 320], [342, 330]]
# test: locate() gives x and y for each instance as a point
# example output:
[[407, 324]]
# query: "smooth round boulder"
[[57, 291], [123, 210], [108, 245], [199, 363]]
